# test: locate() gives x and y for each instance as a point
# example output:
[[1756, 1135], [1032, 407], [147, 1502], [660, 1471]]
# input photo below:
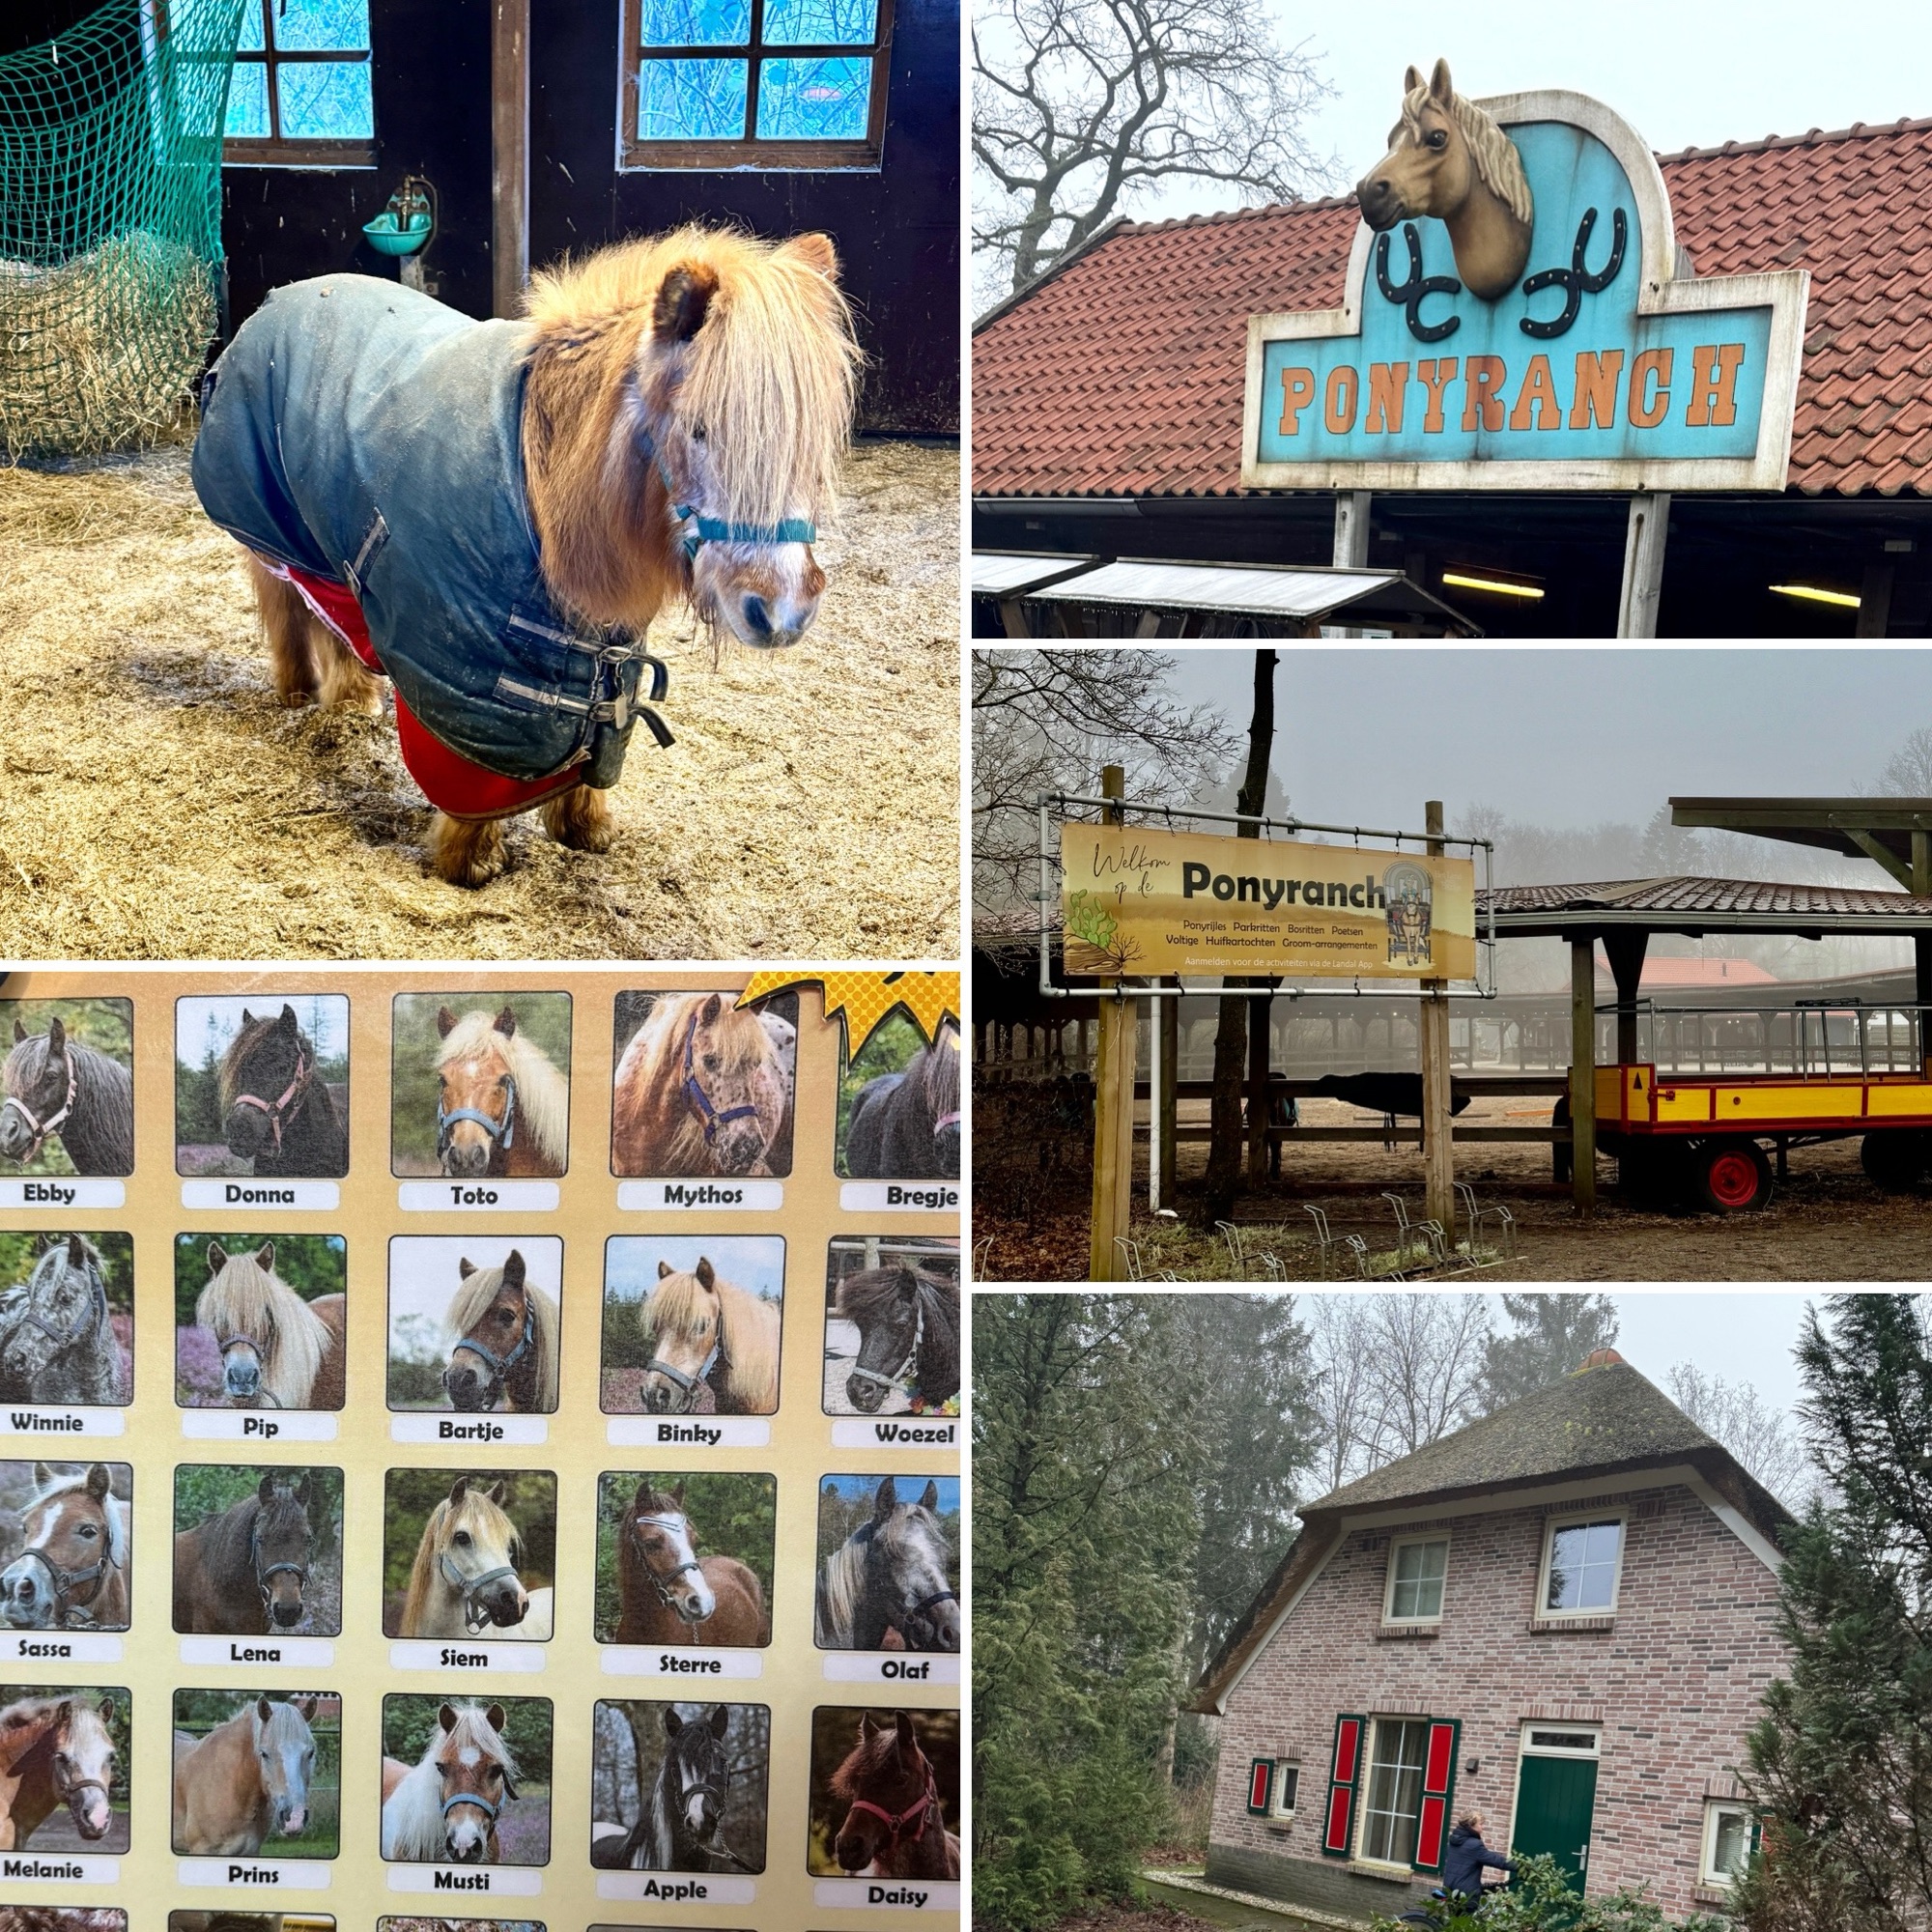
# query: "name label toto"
[[477, 1197], [312, 1649], [698, 1432], [649, 1659], [433, 1428], [507, 1881], [63, 1193], [679, 1888], [302, 1195], [282, 1874], [248, 1425], [416, 1655], [66, 1421], [899, 1894], [59, 1647], [885, 1666], [899, 1197], [38, 1869], [681, 1197]]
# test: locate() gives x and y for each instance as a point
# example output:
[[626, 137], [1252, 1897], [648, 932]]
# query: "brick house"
[[1562, 1616]]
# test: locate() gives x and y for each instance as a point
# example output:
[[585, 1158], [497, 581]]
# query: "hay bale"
[[103, 351]]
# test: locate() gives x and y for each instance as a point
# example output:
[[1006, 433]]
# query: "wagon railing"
[[1805, 1040]]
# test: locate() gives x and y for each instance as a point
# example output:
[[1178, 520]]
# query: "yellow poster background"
[[1138, 903]]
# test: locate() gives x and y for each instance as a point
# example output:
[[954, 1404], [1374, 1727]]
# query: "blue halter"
[[712, 530], [709, 1115], [503, 1133]]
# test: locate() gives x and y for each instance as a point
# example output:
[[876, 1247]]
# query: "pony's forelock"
[[543, 1094], [1497, 161], [245, 1298]]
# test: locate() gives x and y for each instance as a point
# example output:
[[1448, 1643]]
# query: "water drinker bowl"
[[389, 237]]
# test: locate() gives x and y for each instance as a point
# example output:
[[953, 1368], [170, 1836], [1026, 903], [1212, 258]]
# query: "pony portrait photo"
[[466, 1782], [261, 1320], [884, 1793], [249, 1922], [887, 1564], [685, 1558], [474, 1323], [691, 1324], [257, 1771], [469, 1555], [480, 1089], [258, 1551], [65, 1918], [402, 1922], [66, 1542], [66, 1086], [69, 1754], [261, 1086], [898, 1104], [892, 1325], [679, 1787], [704, 1085], [66, 1319]]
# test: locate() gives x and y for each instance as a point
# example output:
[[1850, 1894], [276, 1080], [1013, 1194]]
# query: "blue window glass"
[[696, 23], [325, 100], [814, 100], [692, 101], [248, 102], [251, 27], [322, 26], [821, 23]]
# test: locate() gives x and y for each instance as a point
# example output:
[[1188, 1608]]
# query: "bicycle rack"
[[1325, 1241]]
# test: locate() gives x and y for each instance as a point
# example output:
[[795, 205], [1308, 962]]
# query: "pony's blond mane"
[[245, 1298], [492, 1520], [543, 1094], [748, 1329], [476, 1292], [1498, 165], [841, 1583], [650, 1075]]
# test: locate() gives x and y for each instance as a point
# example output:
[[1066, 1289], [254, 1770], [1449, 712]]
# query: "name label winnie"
[[66, 1421]]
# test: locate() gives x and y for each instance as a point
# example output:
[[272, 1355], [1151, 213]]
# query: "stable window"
[[1287, 1788], [300, 94], [780, 84], [1582, 1557], [1730, 1836], [1418, 1566], [1392, 1807]]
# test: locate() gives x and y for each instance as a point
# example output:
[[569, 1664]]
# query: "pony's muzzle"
[[466, 1843], [95, 1815], [23, 1602], [246, 1131], [853, 1853], [1381, 201], [14, 1138], [290, 1819], [508, 1603], [466, 1387], [661, 1396], [700, 1814], [241, 1375], [865, 1395], [467, 1156], [286, 1615]]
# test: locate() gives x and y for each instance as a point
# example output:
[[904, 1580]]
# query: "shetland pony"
[[502, 1107], [464, 1580], [680, 389], [908, 1323], [244, 1571], [893, 1826], [704, 1331], [889, 1579], [905, 1125], [54, 1750], [246, 1780], [668, 1593], [504, 1339], [702, 1087], [71, 1571], [298, 1132], [55, 1086], [444, 1808], [57, 1340], [678, 1829], [278, 1351]]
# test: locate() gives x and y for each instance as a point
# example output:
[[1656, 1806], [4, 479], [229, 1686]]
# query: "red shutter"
[[1261, 1778], [1438, 1785], [1343, 1772]]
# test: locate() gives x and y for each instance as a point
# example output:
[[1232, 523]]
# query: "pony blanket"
[[365, 440]]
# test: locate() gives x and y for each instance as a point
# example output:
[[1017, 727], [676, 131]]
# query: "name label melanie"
[[254, 1425], [68, 1192], [650, 1660], [66, 1421], [56, 1868], [431, 1427], [477, 1197], [462, 1653], [897, 1432], [678, 1888], [301, 1196], [894, 1894], [280, 1874], [689, 1432], [257, 1650], [891, 1666], [899, 1197], [682, 1197], [508, 1880], [53, 1646]]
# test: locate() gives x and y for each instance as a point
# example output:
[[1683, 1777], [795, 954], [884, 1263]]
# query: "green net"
[[110, 224]]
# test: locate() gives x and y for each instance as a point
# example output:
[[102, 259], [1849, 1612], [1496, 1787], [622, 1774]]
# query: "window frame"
[[1285, 1767], [1578, 1521], [275, 150], [1365, 1786], [747, 154], [1397, 1544], [1714, 1810]]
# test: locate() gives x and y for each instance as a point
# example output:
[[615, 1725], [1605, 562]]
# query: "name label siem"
[[420, 1655]]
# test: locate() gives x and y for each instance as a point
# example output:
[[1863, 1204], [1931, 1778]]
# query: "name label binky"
[[899, 1197], [898, 1431], [66, 1421], [683, 1197], [422, 1426], [466, 1655], [689, 1432], [277, 1874], [301, 1196], [650, 1660], [69, 1192], [35, 1868], [313, 1650], [889, 1667], [253, 1425], [506, 1880], [479, 1197], [53, 1646], [678, 1888], [891, 1895]]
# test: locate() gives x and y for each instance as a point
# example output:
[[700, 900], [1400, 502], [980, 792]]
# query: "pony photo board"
[[533, 1450]]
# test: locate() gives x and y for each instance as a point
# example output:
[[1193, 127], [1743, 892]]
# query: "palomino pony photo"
[[704, 1085], [474, 1323], [249, 1773], [258, 1551], [892, 1582], [481, 1094], [904, 1126], [66, 1098], [73, 1569], [691, 1777], [687, 1340], [64, 1751], [262, 1093], [464, 1559], [456, 1789], [892, 1326], [66, 1332], [881, 1793], [669, 1592], [666, 423], [277, 1348]]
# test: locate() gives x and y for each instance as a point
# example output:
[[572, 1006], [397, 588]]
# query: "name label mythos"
[[682, 1197], [300, 1196]]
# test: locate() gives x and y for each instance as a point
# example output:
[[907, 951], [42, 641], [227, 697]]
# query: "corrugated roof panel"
[[1207, 587]]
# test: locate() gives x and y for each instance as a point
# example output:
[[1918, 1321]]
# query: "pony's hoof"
[[467, 854], [580, 820]]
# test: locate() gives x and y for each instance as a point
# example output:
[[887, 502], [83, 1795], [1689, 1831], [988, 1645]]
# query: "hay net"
[[110, 224]]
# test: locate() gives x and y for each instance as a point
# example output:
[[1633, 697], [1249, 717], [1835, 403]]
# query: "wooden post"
[[1922, 947], [1113, 1102], [1643, 564], [1163, 1112], [1583, 1074], [1875, 602], [510, 154], [1625, 950], [1259, 1041], [1351, 530], [1439, 1149]]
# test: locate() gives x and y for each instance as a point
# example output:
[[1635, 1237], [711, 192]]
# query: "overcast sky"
[[1565, 737], [1743, 1337], [1684, 72]]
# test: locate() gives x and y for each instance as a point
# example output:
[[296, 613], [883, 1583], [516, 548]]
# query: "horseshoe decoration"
[[1409, 296], [1577, 281]]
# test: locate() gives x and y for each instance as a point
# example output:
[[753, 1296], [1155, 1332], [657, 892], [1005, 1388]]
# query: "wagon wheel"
[[1731, 1176], [1895, 1158]]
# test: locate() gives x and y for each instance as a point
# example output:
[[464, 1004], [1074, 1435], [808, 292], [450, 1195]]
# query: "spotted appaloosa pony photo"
[[490, 515]]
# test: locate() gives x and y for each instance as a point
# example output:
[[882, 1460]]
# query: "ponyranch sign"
[[1148, 902], [1539, 334]]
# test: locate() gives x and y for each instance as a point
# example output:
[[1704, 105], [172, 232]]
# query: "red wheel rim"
[[1733, 1179]]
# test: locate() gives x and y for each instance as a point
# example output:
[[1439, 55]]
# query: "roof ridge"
[[1812, 137], [1313, 206]]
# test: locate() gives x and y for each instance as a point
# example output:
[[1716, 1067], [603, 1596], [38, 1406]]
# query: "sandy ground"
[[1826, 1223], [157, 803]]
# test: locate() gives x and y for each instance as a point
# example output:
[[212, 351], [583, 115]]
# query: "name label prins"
[[698, 1432], [651, 1660], [301, 1196], [888, 1666], [255, 1874], [900, 1895], [59, 1647], [679, 1888], [66, 1421], [479, 1197], [681, 1197], [258, 1650], [898, 1197], [252, 1424], [56, 1868], [429, 1427], [69, 1192], [498, 1881], [418, 1655], [899, 1432]]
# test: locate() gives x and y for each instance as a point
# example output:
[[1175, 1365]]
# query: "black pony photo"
[[66, 1086], [899, 1105], [892, 1325], [679, 1787], [261, 1088]]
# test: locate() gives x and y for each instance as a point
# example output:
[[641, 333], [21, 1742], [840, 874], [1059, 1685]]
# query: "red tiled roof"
[[1122, 374]]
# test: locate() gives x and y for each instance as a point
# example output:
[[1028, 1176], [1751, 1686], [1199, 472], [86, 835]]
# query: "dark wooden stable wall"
[[896, 231]]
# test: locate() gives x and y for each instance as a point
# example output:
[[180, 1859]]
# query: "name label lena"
[[678, 1888], [682, 1197], [498, 1881], [250, 1874], [251, 1424], [650, 1660], [66, 1421], [689, 1432], [420, 1655], [69, 1192], [285, 1650], [302, 1195], [477, 1197], [431, 1427], [899, 1894]]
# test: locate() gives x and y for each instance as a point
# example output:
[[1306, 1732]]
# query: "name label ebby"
[[65, 1191]]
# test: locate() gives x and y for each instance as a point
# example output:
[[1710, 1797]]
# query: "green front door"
[[1554, 1799]]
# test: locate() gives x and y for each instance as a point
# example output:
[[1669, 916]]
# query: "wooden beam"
[[1583, 1074], [1439, 1153], [1875, 602], [1881, 855], [1643, 564], [1113, 1102], [510, 154], [1626, 947], [1351, 530], [1163, 1110]]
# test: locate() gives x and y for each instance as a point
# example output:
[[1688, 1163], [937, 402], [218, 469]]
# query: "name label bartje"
[[652, 1659], [899, 1197], [285, 1650], [898, 1894], [897, 1432], [31, 1646], [254, 1425], [68, 1192], [416, 1654], [678, 1888], [433, 1426], [302, 1195], [66, 1421], [479, 1197], [511, 1881], [891, 1666], [681, 1197], [689, 1432], [278, 1874], [57, 1869]]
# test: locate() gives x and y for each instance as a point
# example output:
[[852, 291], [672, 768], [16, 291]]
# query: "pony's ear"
[[499, 1493], [1440, 90], [19, 1033], [217, 1258], [706, 1273], [684, 300], [721, 1720], [444, 1021], [301, 1491], [265, 1490], [447, 1717], [865, 1726], [493, 1717], [464, 1269], [665, 1268], [459, 1489], [1412, 80], [264, 1708], [708, 1012], [930, 1501], [676, 1498], [56, 1037], [887, 1500], [815, 252], [286, 1021], [506, 1024], [673, 1724], [642, 1499], [43, 1476], [513, 1268], [902, 1724], [307, 1707], [264, 1258], [99, 1485], [908, 1285], [76, 1251], [63, 1711]]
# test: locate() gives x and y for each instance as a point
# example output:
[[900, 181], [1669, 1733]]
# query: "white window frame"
[[1284, 1767], [1364, 1778], [1396, 1545], [1528, 1748], [1713, 1809], [1577, 1519]]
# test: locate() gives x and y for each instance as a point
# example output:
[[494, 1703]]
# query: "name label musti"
[[649, 1659], [431, 1427], [280, 1874], [505, 1881], [681, 1197], [477, 1197], [58, 1870], [899, 1432], [418, 1655], [66, 1421], [301, 1196], [678, 1888], [900, 1895], [53, 1646], [291, 1650], [69, 1192], [251, 1425], [899, 1197], [693, 1432], [887, 1666]]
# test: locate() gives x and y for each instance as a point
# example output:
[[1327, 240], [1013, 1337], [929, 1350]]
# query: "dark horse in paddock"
[[276, 1110], [908, 1323], [893, 1826], [56, 1086], [678, 1831], [905, 1125], [244, 1573]]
